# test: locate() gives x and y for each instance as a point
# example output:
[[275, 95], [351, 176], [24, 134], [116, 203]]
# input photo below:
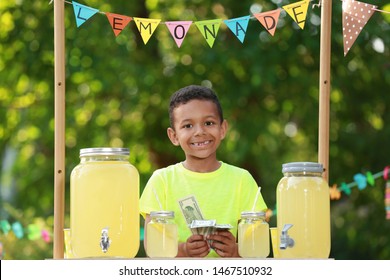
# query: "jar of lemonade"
[[253, 235], [104, 210], [303, 207], [161, 235]]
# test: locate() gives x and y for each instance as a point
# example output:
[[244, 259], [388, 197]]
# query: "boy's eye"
[[187, 126], [209, 123]]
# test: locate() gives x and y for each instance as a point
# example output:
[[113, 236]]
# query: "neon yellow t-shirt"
[[222, 194]]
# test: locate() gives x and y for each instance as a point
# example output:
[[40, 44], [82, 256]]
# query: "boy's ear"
[[224, 128], [172, 136]]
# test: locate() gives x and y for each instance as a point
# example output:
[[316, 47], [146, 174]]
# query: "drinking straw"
[[256, 198], [158, 200]]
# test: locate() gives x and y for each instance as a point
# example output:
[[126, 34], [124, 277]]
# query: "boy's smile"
[[198, 130]]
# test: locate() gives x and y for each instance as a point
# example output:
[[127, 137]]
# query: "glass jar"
[[161, 235], [253, 235], [104, 204], [303, 211]]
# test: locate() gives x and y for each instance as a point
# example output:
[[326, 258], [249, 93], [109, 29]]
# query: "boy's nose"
[[199, 129]]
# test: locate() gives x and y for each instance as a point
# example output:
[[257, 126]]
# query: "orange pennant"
[[269, 20], [335, 194], [118, 22]]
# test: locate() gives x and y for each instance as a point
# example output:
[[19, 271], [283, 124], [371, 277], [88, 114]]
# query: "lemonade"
[[161, 234], [253, 235], [104, 215], [303, 201]]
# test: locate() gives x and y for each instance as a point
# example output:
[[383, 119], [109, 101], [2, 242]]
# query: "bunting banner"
[[118, 22], [269, 20], [355, 15], [298, 12]]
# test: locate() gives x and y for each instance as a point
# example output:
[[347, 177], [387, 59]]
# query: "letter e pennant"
[[298, 12], [118, 22]]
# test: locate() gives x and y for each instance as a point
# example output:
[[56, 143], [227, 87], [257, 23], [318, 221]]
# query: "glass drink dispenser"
[[303, 207], [104, 209]]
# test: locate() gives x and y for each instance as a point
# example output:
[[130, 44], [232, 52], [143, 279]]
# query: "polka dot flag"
[[355, 16]]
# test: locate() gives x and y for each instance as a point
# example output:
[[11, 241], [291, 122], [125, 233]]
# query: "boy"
[[223, 191]]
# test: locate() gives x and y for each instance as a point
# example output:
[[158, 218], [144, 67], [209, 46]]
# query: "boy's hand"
[[224, 244], [196, 246]]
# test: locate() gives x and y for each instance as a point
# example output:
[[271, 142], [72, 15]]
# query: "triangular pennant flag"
[[118, 22], [269, 20], [209, 29], [370, 178], [298, 12], [355, 16], [334, 193], [238, 26], [360, 180], [146, 27], [82, 13], [178, 30]]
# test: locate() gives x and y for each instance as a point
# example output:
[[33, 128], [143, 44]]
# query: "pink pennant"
[[355, 16], [178, 30]]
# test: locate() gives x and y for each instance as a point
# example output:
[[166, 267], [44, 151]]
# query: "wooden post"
[[59, 129], [324, 86]]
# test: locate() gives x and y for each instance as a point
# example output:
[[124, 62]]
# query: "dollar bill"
[[191, 211]]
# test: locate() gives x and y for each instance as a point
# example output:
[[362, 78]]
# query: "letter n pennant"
[[82, 13], [269, 20], [298, 12], [238, 26], [146, 27], [178, 30], [118, 22], [209, 29], [355, 16]]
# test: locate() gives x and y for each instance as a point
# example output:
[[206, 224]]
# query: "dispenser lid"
[[162, 214], [302, 167], [252, 214], [104, 151]]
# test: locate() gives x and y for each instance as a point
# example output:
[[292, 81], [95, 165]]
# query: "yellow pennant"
[[146, 27], [298, 12]]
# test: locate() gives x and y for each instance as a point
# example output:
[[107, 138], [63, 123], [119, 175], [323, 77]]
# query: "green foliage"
[[117, 91]]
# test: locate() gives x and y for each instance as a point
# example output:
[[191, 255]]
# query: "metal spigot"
[[285, 239], [105, 240]]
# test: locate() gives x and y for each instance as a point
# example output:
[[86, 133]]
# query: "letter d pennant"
[[269, 20]]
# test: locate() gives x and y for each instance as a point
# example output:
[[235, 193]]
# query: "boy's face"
[[197, 129]]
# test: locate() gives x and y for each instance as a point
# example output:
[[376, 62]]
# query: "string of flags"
[[361, 181], [32, 231], [355, 16]]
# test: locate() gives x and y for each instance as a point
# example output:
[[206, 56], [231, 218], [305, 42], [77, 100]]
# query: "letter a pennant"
[[298, 12], [269, 20], [209, 29], [146, 27], [118, 22], [355, 16], [82, 13], [178, 30], [238, 26]]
